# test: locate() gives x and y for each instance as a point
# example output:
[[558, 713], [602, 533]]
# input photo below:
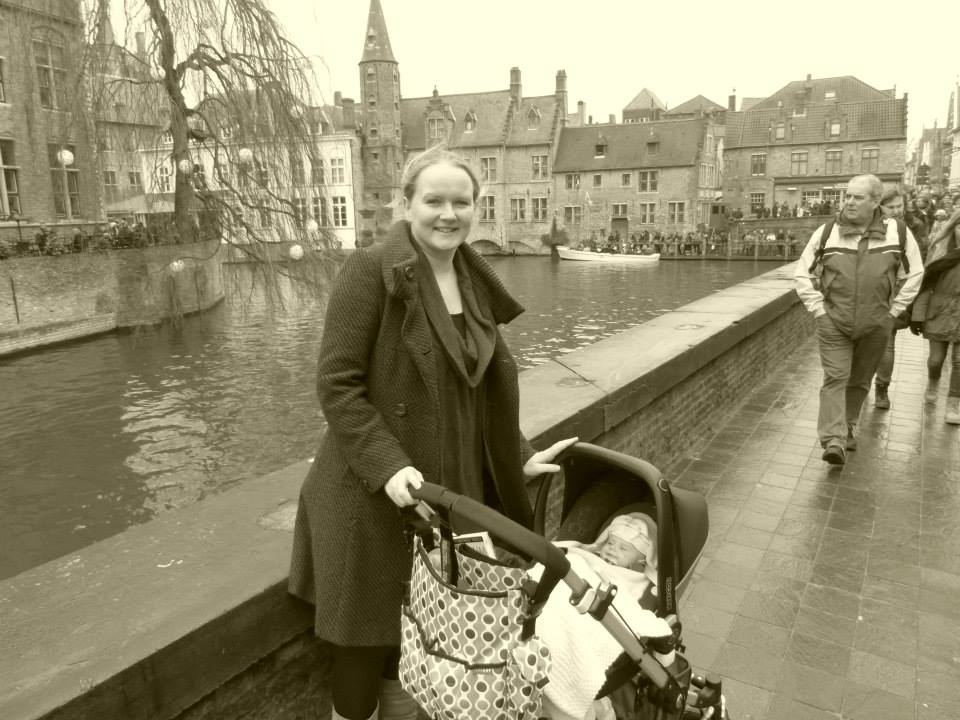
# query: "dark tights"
[[357, 672]]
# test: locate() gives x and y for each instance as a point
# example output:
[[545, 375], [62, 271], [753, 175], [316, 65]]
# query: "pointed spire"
[[104, 26], [376, 43]]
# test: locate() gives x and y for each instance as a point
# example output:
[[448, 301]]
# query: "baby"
[[626, 542]]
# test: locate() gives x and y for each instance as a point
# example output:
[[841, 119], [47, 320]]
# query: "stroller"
[[599, 484]]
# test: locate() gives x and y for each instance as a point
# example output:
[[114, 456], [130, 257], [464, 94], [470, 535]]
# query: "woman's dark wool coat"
[[378, 387]]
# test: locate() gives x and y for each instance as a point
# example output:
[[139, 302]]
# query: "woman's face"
[[441, 209]]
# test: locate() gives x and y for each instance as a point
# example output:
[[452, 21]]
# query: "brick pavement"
[[830, 592]]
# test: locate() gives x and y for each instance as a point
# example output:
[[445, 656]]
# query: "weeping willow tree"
[[233, 113]]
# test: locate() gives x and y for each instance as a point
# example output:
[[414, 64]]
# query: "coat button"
[[409, 273], [400, 410]]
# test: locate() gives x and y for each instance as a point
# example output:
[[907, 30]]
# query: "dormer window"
[[800, 111], [435, 128], [779, 131], [533, 118], [653, 148], [371, 38], [470, 122], [600, 150], [834, 128]]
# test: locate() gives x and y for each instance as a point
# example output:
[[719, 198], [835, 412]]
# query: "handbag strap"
[[538, 593]]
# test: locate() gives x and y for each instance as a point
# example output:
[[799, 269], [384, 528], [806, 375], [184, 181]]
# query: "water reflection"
[[105, 433]]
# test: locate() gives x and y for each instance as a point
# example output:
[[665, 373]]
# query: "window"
[[809, 197], [3, 94], [572, 214], [316, 128], [488, 169], [518, 209], [598, 180], [470, 122], [297, 174], [676, 212], [798, 162], [573, 181], [339, 210], [758, 164], [64, 179], [435, 128], [758, 201], [164, 184], [265, 217], [226, 132], [703, 175], [625, 179], [539, 167], [110, 184], [646, 213], [166, 138], [371, 102], [833, 196], [600, 151], [647, 180], [539, 209], [9, 187], [51, 73], [779, 131], [316, 172], [619, 209], [829, 94], [373, 133], [338, 171], [299, 210], [533, 119], [869, 160], [488, 211], [136, 182], [800, 111], [653, 148], [320, 211], [834, 128], [834, 162]]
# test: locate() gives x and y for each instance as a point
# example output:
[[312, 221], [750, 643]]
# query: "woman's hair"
[[436, 155]]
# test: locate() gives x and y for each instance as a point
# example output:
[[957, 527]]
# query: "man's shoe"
[[851, 438], [953, 411], [930, 395], [834, 454], [881, 400]]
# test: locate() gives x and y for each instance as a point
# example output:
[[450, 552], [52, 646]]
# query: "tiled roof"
[[847, 89], [627, 145], [644, 100], [491, 111], [695, 105], [868, 120], [376, 43]]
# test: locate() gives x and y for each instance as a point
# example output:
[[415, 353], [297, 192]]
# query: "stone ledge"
[[148, 623]]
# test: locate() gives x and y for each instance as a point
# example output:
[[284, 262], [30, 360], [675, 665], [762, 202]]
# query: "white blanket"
[[580, 648]]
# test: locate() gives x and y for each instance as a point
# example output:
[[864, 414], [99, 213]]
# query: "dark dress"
[[401, 386]]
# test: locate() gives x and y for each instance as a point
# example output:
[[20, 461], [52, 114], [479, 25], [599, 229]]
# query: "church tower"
[[381, 141]]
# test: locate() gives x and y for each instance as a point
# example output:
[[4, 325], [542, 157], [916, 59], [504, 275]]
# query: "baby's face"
[[619, 552]]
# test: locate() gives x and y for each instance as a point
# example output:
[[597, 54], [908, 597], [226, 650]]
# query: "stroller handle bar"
[[526, 541], [555, 560]]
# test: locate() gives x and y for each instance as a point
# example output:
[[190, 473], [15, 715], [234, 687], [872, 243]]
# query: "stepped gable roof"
[[376, 43], [696, 105], [645, 100], [627, 145], [861, 120], [490, 109], [847, 88]]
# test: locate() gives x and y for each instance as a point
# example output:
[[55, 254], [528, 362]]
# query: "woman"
[[416, 384], [936, 313]]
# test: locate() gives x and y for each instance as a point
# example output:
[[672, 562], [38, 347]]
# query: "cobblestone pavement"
[[830, 592]]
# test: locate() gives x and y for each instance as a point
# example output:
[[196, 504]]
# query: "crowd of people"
[[645, 242], [889, 260]]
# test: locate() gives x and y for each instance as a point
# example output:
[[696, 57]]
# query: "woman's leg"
[[357, 673], [935, 358], [954, 371]]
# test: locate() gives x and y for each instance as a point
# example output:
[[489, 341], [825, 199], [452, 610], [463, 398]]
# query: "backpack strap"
[[824, 236], [902, 233]]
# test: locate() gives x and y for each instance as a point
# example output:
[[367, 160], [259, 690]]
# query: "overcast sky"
[[611, 49]]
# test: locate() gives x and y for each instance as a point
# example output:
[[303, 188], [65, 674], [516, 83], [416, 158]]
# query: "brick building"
[[660, 175], [929, 164], [803, 143], [47, 166], [645, 107]]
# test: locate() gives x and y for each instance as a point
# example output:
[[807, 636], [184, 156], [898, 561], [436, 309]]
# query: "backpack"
[[828, 230]]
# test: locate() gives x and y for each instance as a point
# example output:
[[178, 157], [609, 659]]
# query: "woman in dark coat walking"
[[416, 384]]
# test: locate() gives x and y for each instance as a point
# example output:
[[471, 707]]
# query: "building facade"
[[650, 176], [47, 165], [953, 140], [801, 145]]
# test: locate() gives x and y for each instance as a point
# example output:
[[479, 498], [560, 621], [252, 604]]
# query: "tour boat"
[[569, 254]]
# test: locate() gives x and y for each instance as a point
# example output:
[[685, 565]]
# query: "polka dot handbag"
[[462, 657]]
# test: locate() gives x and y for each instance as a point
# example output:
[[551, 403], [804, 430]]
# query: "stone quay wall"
[[187, 616], [50, 299]]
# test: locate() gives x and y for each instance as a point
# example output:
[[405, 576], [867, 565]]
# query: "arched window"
[[470, 122], [533, 119]]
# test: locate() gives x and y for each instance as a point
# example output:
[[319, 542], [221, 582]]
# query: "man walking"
[[847, 277]]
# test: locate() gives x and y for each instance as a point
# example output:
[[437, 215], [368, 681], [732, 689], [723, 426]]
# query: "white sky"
[[611, 49]]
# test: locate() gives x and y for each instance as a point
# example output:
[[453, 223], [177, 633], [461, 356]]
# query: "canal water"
[[102, 434]]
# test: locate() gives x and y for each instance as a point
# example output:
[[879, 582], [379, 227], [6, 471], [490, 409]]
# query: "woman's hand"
[[542, 461], [398, 487]]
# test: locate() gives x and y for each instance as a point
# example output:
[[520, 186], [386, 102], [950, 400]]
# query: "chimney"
[[141, 39], [613, 119], [581, 112], [349, 115], [732, 103], [515, 94], [561, 82], [337, 98], [590, 120]]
